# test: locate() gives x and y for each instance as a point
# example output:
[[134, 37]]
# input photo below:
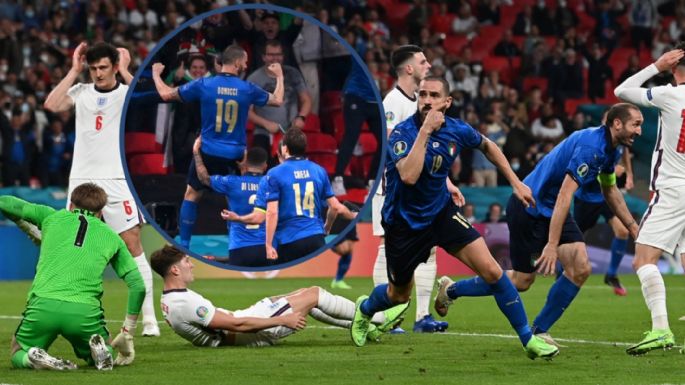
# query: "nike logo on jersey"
[[130, 219]]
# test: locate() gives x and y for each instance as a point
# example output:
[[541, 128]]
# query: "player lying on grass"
[[196, 319], [65, 296]]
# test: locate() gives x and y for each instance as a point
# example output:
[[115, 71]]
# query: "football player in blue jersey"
[[419, 213], [225, 101], [246, 240], [540, 235], [297, 190]]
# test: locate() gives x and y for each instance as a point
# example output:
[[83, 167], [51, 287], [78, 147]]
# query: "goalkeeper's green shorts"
[[44, 319]]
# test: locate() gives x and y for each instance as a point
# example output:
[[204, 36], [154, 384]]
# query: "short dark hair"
[[256, 157], [270, 15], [445, 85], [89, 196], [400, 56], [162, 259], [272, 43], [680, 45], [232, 53], [194, 57], [102, 50], [620, 111], [296, 141]]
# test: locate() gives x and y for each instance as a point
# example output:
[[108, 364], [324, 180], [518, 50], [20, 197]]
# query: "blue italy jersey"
[[243, 194], [225, 101], [583, 155], [301, 188], [420, 203], [358, 84]]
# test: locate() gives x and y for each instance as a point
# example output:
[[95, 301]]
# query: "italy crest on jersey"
[[452, 147]]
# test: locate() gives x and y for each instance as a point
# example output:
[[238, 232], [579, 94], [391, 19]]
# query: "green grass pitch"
[[479, 347]]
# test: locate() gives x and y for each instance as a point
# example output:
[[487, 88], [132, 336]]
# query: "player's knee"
[[621, 232], [523, 283], [399, 294], [582, 272]]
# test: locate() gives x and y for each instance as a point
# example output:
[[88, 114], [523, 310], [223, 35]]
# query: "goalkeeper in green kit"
[[65, 296]]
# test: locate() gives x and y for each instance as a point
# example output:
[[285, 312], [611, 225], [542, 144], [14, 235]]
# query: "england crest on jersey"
[[101, 101]]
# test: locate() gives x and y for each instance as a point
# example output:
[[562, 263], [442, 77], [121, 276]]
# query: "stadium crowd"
[[517, 69]]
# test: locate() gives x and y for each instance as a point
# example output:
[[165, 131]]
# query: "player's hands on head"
[[547, 263], [124, 58], [157, 69], [271, 252], [524, 194], [123, 344], [274, 70], [79, 57], [229, 215], [669, 59], [295, 320]]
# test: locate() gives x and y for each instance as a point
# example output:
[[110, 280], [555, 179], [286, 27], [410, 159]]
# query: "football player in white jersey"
[[97, 159], [663, 225], [197, 320], [400, 103]]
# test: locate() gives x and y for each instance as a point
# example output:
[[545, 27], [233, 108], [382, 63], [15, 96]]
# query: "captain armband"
[[607, 180]]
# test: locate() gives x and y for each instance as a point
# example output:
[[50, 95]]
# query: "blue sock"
[[618, 249], [472, 287], [560, 296], [343, 265], [377, 301], [510, 304], [187, 221]]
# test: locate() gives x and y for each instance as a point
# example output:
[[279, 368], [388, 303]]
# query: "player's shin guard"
[[424, 279], [380, 269], [148, 309], [343, 266], [188, 215], [377, 301], [654, 291], [559, 298], [511, 305], [618, 249], [472, 287]]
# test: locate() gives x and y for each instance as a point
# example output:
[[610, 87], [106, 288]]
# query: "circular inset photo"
[[252, 134]]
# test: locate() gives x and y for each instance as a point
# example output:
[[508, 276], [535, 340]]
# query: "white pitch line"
[[459, 334]]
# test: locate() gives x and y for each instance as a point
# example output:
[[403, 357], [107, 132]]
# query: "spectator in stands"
[[10, 48], [465, 23], [19, 146], [535, 64], [224, 29], [544, 18], [497, 129], [642, 19], [524, 21], [662, 43], [532, 40], [296, 105], [599, 71], [56, 157], [565, 17], [497, 89], [469, 213], [268, 28], [534, 104], [494, 214], [488, 12], [463, 81], [578, 122], [607, 28], [676, 28], [506, 47], [484, 172], [632, 69], [547, 128], [571, 85], [308, 53], [418, 17]]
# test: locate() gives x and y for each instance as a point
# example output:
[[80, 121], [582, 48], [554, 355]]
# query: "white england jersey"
[[98, 120], [668, 160], [398, 107], [189, 314]]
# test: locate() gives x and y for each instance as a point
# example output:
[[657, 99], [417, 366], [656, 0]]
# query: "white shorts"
[[376, 216], [663, 225], [121, 212], [264, 309]]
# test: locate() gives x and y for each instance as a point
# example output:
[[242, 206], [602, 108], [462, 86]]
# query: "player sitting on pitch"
[[196, 319], [65, 296]]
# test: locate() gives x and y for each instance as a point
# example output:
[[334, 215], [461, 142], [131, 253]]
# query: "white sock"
[[654, 291], [380, 270], [319, 315], [148, 304], [341, 308], [424, 279]]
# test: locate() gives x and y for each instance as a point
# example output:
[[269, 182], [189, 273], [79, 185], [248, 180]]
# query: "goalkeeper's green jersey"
[[75, 250]]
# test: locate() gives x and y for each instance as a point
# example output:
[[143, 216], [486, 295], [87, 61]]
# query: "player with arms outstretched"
[[663, 225], [225, 101], [97, 159], [65, 298]]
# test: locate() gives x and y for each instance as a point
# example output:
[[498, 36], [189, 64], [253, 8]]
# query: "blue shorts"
[[340, 223], [297, 249], [406, 248], [215, 166], [248, 256], [528, 235], [586, 214]]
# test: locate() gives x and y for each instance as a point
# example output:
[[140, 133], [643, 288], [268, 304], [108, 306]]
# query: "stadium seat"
[[354, 195], [533, 81], [331, 100], [140, 143], [321, 143], [442, 23], [325, 160], [274, 144], [619, 60], [454, 44], [571, 105], [396, 16], [312, 123], [147, 164]]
